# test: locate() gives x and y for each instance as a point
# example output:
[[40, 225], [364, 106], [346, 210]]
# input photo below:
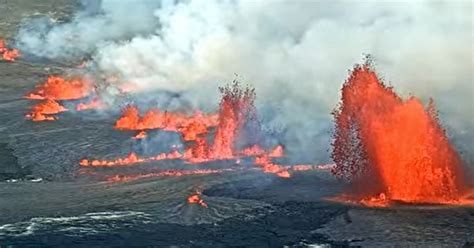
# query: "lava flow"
[[43, 111], [157, 119], [132, 158], [393, 149], [8, 54], [59, 88]]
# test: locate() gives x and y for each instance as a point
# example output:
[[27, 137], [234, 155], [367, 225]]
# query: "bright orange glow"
[[43, 110], [58, 88], [267, 166], [253, 151], [93, 104], [132, 158], [8, 54], [157, 119], [308, 167], [167, 173], [195, 133], [196, 199], [393, 150], [236, 107]]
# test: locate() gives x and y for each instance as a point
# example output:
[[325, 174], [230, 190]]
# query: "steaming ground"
[[54, 202]]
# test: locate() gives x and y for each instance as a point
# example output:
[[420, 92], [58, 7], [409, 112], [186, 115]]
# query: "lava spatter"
[[393, 149], [236, 108]]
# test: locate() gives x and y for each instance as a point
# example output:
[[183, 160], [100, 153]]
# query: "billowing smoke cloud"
[[296, 54]]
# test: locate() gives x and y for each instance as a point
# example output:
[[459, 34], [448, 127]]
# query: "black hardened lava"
[[290, 223]]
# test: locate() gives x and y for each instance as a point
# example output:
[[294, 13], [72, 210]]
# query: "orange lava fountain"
[[393, 149], [166, 173], [8, 54], [236, 107], [268, 166]]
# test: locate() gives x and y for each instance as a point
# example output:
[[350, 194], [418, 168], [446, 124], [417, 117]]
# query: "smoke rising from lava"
[[293, 53]]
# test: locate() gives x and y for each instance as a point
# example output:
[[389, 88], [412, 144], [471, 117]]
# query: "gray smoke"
[[296, 54]]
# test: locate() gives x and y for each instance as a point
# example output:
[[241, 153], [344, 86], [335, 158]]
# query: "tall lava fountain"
[[393, 149]]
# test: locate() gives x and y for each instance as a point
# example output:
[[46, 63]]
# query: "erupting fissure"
[[236, 109], [392, 149]]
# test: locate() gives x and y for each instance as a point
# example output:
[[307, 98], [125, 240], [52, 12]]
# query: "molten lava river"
[[87, 162]]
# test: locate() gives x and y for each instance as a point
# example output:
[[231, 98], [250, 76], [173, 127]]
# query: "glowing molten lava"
[[58, 88], [197, 149], [166, 173], [268, 166], [392, 149], [8, 54], [236, 107], [196, 199], [43, 111], [132, 158], [157, 119]]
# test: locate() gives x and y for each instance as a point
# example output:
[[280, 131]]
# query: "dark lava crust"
[[290, 223]]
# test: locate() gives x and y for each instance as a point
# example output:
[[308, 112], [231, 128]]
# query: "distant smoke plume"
[[295, 53]]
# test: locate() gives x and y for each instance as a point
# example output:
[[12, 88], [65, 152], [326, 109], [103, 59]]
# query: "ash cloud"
[[295, 53]]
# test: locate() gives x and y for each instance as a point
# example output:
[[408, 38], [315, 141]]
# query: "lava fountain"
[[158, 119], [392, 149], [236, 108]]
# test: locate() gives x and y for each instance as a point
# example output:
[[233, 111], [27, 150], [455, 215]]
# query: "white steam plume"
[[296, 53]]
